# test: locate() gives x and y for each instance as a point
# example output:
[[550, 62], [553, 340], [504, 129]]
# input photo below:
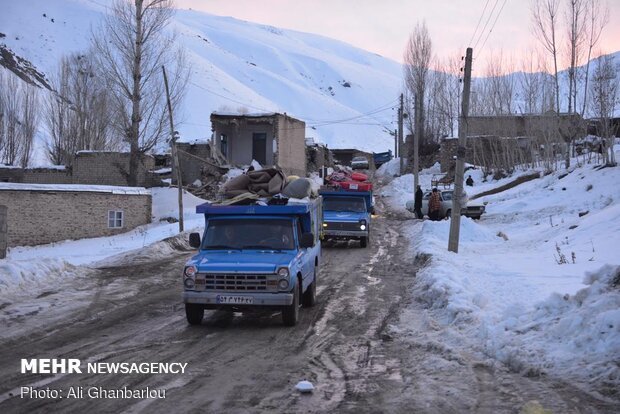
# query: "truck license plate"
[[234, 300]]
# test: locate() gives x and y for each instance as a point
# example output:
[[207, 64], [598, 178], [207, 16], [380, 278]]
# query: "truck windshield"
[[349, 204], [251, 234]]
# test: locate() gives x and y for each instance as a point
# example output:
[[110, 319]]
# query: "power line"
[[492, 27], [382, 108], [479, 20], [231, 99], [486, 24]]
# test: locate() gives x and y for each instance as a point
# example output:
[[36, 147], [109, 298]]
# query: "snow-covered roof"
[[246, 115], [75, 188]]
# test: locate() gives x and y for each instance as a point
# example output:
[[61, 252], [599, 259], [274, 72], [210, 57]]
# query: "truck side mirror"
[[307, 240], [194, 240]]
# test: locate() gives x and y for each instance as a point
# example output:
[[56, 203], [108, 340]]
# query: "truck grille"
[[345, 226], [237, 282]]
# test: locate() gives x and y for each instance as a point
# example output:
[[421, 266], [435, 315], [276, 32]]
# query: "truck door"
[[306, 261]]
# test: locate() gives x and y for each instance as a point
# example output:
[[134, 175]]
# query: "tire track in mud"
[[346, 358]]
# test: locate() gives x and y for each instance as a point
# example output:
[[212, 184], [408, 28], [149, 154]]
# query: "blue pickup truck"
[[347, 215], [254, 256], [381, 158]]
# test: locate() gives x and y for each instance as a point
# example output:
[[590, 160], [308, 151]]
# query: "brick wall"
[[36, 175], [44, 216], [109, 168]]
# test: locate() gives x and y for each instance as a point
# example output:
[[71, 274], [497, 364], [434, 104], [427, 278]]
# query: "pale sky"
[[383, 26]]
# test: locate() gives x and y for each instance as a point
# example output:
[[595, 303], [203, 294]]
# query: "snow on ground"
[[26, 267], [512, 299]]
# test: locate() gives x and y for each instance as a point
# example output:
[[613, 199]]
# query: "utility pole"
[[455, 222], [395, 143], [416, 143], [400, 132], [175, 155]]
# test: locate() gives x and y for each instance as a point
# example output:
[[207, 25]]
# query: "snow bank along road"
[[132, 312]]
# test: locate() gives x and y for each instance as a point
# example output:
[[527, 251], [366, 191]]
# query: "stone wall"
[[48, 214], [3, 235]]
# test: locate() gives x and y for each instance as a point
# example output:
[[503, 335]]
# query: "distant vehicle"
[[381, 158], [347, 215], [472, 209], [359, 163]]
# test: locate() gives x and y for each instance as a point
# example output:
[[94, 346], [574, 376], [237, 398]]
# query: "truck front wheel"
[[309, 297], [364, 241], [290, 313], [194, 313]]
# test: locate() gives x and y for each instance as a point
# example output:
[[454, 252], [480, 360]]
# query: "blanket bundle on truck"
[[260, 249]]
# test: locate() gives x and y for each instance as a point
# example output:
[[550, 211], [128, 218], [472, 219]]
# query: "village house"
[[525, 133], [32, 214], [272, 139]]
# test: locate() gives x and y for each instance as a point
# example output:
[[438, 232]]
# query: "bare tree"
[[576, 36], [605, 99], [79, 114], [18, 120], [545, 23], [29, 122], [598, 14], [499, 84], [131, 46], [532, 82], [57, 118], [417, 59], [445, 96]]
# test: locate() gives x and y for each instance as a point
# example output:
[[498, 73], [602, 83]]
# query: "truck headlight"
[[283, 284], [362, 224], [189, 283], [283, 272], [190, 271], [324, 224]]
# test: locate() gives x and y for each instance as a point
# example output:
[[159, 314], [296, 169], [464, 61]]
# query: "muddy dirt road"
[[345, 346]]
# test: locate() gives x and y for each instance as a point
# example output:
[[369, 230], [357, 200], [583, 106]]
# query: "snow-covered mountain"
[[344, 94]]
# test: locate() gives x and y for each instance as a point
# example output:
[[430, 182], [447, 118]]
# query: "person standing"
[[434, 205], [417, 205]]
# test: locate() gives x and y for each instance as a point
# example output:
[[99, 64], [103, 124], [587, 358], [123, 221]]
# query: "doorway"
[[259, 147]]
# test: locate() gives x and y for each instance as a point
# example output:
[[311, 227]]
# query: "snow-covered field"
[[511, 297], [27, 268]]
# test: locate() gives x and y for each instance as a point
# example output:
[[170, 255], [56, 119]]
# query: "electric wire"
[[486, 24], [492, 27], [479, 20], [317, 123]]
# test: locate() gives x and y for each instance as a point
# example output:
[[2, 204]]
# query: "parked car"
[[359, 163], [472, 209]]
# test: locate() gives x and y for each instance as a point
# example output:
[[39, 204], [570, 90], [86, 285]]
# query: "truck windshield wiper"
[[221, 247], [260, 247]]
